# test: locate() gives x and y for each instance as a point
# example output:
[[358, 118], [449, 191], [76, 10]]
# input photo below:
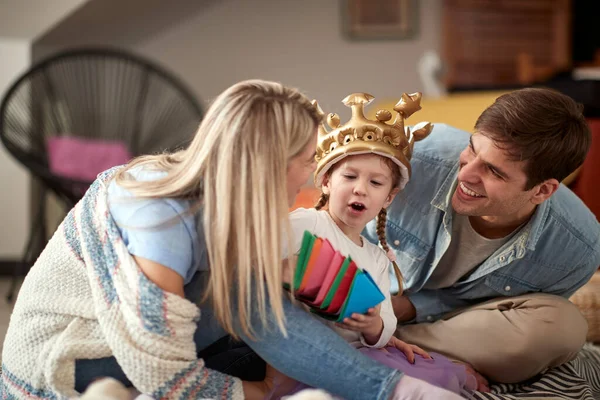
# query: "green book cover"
[[308, 241]]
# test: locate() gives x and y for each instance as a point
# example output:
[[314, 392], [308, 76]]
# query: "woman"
[[106, 297]]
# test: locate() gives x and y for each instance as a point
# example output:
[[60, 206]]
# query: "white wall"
[[26, 19], [14, 180], [299, 43]]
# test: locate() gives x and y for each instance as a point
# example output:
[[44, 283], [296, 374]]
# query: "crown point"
[[357, 98], [383, 115], [333, 120], [421, 130], [408, 104]]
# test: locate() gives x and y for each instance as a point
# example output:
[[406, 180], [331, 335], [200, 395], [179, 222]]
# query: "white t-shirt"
[[467, 250], [369, 257]]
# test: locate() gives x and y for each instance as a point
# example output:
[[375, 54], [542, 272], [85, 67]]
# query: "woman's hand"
[[255, 390], [369, 324], [409, 350], [274, 385]]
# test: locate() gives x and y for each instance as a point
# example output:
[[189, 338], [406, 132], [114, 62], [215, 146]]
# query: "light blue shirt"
[[161, 230], [556, 252]]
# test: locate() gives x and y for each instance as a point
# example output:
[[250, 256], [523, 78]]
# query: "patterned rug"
[[578, 379]]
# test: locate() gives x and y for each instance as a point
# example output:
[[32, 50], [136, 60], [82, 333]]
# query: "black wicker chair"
[[90, 96]]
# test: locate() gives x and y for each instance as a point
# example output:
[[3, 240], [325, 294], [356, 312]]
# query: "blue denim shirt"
[[556, 252]]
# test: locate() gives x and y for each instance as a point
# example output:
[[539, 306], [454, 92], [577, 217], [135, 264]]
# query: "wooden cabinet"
[[504, 43]]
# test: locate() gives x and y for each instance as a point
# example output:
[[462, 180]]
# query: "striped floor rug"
[[578, 379]]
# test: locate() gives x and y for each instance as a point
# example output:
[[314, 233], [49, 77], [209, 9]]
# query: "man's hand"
[[369, 324], [403, 308]]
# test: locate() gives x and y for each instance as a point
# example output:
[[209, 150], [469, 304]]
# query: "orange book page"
[[316, 250]]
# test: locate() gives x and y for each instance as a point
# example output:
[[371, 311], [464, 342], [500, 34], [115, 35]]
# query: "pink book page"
[[332, 271], [315, 279]]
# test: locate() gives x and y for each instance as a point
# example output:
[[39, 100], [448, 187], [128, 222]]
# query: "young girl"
[[362, 165]]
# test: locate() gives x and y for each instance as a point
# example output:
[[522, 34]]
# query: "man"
[[490, 243]]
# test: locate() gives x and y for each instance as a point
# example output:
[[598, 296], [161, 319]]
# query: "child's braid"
[[322, 201], [381, 222]]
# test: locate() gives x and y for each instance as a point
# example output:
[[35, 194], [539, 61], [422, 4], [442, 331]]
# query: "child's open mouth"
[[357, 207]]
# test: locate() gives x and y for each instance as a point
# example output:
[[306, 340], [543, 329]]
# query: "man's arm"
[[426, 305], [579, 274], [569, 284], [403, 308]]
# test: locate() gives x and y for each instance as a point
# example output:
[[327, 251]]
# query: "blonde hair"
[[381, 216], [236, 170]]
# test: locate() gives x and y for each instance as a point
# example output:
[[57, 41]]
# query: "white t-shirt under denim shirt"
[[160, 230], [467, 250]]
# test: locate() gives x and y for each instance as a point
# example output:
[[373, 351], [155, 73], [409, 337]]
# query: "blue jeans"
[[310, 353]]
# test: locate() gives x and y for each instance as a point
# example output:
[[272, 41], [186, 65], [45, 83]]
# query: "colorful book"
[[331, 284]]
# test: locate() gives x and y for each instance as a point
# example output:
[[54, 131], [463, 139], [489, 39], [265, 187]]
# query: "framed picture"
[[380, 19]]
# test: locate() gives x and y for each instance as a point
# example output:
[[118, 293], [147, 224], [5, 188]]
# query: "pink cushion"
[[83, 159]]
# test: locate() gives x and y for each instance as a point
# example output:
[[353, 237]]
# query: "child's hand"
[[369, 324], [409, 350]]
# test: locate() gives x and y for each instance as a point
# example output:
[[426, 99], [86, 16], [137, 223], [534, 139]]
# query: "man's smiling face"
[[491, 185]]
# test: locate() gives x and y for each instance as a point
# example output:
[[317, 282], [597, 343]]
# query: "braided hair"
[[381, 222], [322, 201]]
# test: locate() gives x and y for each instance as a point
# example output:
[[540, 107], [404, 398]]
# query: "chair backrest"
[[86, 109]]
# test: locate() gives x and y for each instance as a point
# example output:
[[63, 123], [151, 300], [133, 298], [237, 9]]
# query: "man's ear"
[[544, 190], [391, 197]]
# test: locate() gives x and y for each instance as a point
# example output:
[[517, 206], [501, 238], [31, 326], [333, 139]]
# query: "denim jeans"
[[311, 352]]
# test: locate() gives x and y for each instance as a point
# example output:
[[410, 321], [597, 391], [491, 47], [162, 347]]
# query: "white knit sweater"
[[86, 298]]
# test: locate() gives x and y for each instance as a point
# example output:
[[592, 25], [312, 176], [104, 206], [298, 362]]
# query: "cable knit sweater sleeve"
[[116, 312]]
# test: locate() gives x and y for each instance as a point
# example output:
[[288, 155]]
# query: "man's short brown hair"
[[543, 127]]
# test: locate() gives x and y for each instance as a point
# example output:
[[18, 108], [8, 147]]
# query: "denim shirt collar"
[[443, 198], [526, 238]]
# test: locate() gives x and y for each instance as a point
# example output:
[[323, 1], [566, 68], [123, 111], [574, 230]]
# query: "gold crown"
[[362, 136]]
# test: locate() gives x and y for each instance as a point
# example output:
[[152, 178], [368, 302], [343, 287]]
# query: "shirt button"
[[429, 318], [397, 242], [502, 258], [507, 288]]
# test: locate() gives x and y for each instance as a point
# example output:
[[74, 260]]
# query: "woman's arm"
[[150, 330], [163, 277], [313, 353], [170, 281]]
